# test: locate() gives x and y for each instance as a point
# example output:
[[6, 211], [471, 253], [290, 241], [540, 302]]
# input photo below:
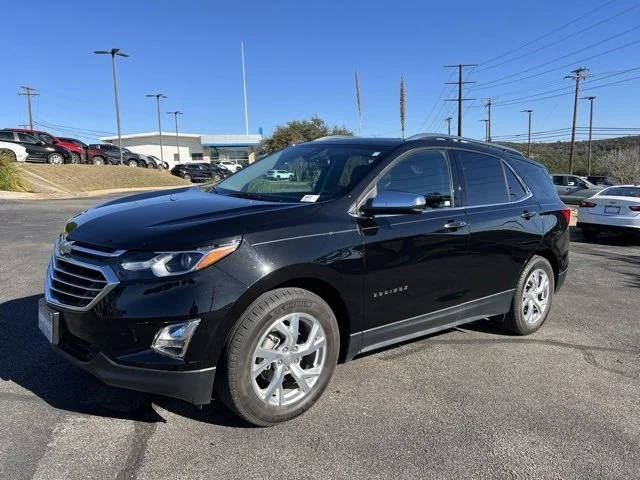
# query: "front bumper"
[[194, 386]]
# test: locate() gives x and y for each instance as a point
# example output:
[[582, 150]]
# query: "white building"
[[191, 147]]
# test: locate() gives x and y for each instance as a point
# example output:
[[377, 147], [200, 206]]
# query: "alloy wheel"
[[288, 359], [56, 159], [535, 297]]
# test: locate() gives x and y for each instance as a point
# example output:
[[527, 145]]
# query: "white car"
[[233, 167], [615, 209], [19, 151], [279, 175]]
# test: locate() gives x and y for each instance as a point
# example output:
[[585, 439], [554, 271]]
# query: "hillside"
[[556, 155]]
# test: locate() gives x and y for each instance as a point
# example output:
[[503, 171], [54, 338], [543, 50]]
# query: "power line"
[[560, 40], [551, 32], [460, 82]]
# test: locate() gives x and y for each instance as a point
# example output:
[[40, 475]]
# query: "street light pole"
[[175, 114], [158, 96], [448, 120], [113, 52], [529, 112], [591, 99]]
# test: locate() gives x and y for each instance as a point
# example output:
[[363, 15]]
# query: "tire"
[[75, 158], [292, 178], [55, 158], [216, 178], [131, 163], [10, 155], [97, 160], [590, 234], [262, 399], [525, 316], [187, 177]]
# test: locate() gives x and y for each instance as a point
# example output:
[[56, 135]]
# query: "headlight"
[[164, 264], [50, 149]]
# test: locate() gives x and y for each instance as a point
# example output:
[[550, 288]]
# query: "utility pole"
[[29, 92], [486, 128], [577, 75], [175, 114], [460, 66], [158, 96], [448, 120], [529, 136], [488, 105], [591, 99], [244, 91], [113, 52]]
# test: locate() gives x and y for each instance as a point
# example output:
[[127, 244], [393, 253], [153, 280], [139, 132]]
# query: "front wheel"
[[280, 356], [97, 161], [187, 177], [132, 163], [532, 297], [55, 158], [75, 158]]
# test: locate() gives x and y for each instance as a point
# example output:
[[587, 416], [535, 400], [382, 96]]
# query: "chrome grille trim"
[[95, 253], [55, 293]]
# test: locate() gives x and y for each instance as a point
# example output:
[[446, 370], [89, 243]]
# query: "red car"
[[77, 152], [90, 154]]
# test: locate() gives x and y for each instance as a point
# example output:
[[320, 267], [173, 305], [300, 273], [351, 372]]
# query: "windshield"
[[307, 173], [622, 192]]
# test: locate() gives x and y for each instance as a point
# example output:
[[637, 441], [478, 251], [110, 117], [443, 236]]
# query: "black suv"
[[255, 289], [37, 150], [199, 172], [112, 156]]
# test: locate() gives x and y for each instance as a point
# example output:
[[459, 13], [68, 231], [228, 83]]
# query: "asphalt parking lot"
[[468, 403]]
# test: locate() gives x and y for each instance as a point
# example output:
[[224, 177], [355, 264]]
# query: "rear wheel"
[[532, 297], [97, 161], [75, 158], [590, 233], [132, 163], [187, 177], [55, 158], [9, 155], [280, 356]]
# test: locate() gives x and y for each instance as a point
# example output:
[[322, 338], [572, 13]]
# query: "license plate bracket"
[[48, 322], [611, 209]]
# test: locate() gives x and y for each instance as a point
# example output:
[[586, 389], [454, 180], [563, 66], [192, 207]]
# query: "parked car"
[[600, 180], [199, 172], [614, 209], [160, 164], [112, 156], [37, 150], [280, 175], [75, 150], [89, 153], [572, 189], [254, 291], [18, 152], [230, 165], [146, 161]]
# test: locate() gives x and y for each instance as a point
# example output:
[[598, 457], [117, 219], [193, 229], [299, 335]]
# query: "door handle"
[[455, 224], [527, 214]]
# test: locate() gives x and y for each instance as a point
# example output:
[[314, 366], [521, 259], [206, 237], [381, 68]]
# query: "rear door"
[[415, 263], [37, 152], [505, 226]]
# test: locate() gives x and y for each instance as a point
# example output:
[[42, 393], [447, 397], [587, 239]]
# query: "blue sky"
[[301, 58]]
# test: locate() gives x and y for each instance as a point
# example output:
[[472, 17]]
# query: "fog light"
[[173, 340]]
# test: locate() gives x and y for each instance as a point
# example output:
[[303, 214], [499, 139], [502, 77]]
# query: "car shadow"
[[605, 238], [27, 360]]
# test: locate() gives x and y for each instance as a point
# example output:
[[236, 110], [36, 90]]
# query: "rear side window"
[[484, 178], [23, 137], [558, 180], [6, 135], [537, 179], [515, 189]]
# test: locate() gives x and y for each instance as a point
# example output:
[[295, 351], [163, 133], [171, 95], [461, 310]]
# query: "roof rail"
[[327, 137], [442, 136]]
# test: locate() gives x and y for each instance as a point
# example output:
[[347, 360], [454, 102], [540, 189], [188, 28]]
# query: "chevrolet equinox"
[[253, 289]]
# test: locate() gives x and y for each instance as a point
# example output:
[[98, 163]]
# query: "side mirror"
[[394, 203]]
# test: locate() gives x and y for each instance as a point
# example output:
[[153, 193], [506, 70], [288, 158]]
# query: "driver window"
[[424, 172], [23, 137]]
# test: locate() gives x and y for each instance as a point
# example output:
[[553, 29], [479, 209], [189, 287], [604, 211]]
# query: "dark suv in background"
[[37, 150], [200, 172], [111, 155], [254, 289]]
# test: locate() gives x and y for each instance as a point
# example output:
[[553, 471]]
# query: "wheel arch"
[[553, 260]]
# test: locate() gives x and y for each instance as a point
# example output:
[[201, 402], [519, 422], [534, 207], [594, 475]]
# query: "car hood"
[[172, 219]]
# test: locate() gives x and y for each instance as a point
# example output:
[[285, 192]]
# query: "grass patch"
[[9, 175], [87, 178]]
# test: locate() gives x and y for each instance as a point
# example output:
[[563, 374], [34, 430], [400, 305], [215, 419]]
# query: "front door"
[[415, 263]]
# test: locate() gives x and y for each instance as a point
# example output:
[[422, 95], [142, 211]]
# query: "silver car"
[[573, 189]]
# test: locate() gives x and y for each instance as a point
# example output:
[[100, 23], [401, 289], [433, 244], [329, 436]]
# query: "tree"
[[299, 131], [623, 165]]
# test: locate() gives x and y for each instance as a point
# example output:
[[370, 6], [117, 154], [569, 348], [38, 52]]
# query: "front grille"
[[75, 284]]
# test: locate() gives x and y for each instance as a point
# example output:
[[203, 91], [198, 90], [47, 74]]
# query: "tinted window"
[[622, 192], [6, 135], [536, 177], [46, 138], [484, 178], [425, 172], [23, 137], [558, 180], [515, 189]]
